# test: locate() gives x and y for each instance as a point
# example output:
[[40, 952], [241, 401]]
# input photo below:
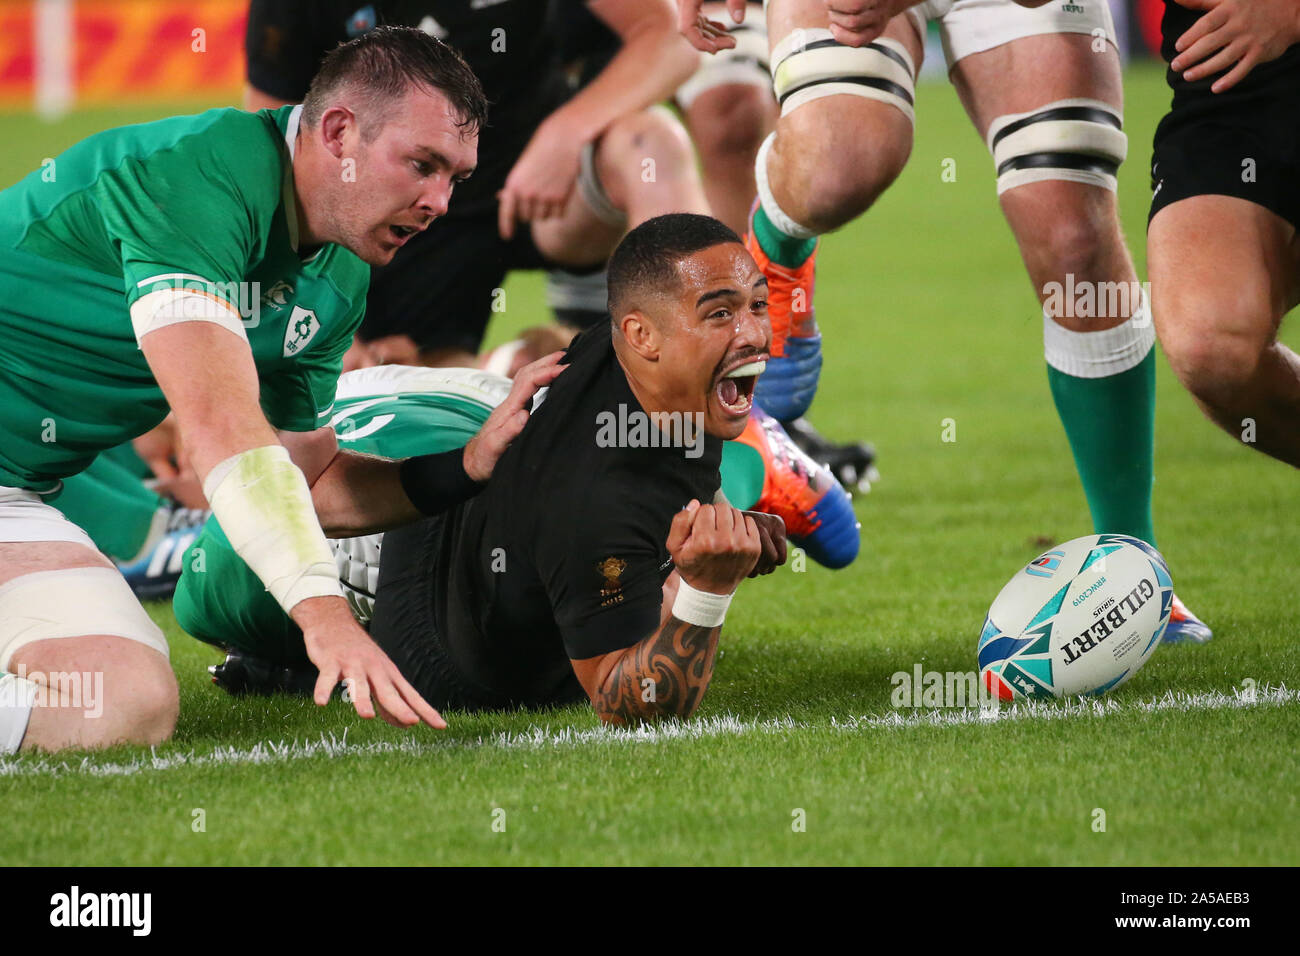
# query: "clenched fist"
[[715, 547]]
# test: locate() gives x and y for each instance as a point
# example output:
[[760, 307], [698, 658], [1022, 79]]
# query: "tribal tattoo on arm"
[[664, 675]]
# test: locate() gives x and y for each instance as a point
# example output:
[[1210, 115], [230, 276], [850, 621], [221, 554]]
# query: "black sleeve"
[[284, 45], [604, 581], [438, 482]]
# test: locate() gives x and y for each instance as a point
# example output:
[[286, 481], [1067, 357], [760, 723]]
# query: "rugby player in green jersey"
[[216, 265]]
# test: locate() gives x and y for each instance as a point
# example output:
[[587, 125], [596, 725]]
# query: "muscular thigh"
[[1221, 266], [19, 558], [1030, 72], [1056, 185]]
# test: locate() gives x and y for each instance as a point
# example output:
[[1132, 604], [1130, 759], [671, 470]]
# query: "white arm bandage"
[[264, 506], [164, 307], [701, 608]]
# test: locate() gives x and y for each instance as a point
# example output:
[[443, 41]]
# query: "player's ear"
[[335, 123], [642, 333]]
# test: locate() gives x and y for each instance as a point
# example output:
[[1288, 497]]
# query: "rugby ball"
[[1078, 619]]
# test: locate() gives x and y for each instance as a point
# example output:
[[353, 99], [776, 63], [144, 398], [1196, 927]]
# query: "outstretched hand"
[[342, 651], [1240, 34], [704, 34]]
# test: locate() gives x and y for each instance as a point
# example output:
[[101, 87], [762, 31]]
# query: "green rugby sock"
[[782, 249], [1110, 422]]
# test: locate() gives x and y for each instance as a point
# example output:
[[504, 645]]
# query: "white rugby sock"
[[775, 214], [1099, 354], [17, 695]]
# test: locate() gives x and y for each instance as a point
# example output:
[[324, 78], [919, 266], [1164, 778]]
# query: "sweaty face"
[[716, 339], [402, 179]]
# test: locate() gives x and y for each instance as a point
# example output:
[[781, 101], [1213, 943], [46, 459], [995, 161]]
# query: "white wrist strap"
[[701, 608]]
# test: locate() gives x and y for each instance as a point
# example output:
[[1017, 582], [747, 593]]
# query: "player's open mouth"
[[402, 233], [735, 389]]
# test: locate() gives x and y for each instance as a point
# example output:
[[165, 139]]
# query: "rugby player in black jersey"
[[595, 564], [1221, 242]]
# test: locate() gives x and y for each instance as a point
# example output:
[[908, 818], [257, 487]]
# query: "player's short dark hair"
[[387, 61], [646, 260]]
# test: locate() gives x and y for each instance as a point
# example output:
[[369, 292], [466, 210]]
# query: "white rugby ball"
[[1078, 619]]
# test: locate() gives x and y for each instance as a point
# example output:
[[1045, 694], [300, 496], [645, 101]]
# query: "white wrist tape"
[[264, 506], [701, 608]]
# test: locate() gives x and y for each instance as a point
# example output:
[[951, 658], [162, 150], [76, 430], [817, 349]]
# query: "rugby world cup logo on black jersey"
[[611, 569], [634, 428]]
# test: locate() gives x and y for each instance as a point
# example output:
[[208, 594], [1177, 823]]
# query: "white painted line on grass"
[[542, 738]]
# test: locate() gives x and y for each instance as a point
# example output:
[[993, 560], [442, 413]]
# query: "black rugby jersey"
[[563, 555]]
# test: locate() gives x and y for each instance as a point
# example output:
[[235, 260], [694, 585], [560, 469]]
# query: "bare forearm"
[[359, 494], [647, 70], [664, 675]]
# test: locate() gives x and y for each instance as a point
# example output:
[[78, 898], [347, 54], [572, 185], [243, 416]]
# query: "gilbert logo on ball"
[[1079, 619]]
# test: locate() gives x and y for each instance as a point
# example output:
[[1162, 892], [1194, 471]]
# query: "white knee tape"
[[809, 64], [593, 192], [74, 602], [745, 64], [1100, 354], [1076, 140]]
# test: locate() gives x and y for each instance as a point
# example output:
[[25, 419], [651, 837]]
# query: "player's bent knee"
[[81, 634], [848, 152], [648, 135], [731, 120], [1215, 339], [1079, 242], [849, 111], [1215, 366], [143, 701]]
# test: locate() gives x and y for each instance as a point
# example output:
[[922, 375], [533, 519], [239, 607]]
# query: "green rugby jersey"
[[399, 411], [200, 202]]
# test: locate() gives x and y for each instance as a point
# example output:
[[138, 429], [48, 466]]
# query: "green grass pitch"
[[928, 316]]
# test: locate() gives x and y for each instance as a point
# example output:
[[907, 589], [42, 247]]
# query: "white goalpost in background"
[[55, 88]]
